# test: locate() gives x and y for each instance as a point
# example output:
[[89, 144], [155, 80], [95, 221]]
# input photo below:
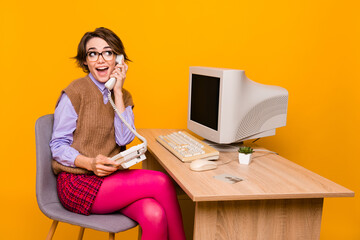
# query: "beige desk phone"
[[136, 153], [111, 83]]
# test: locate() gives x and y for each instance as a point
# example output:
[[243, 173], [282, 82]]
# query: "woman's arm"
[[120, 74], [123, 135], [65, 119]]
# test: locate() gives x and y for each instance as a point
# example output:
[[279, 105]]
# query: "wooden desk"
[[278, 199]]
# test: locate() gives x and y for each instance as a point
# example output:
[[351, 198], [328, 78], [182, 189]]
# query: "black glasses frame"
[[100, 54]]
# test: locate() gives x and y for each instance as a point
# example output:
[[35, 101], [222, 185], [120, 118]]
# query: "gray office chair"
[[46, 193]]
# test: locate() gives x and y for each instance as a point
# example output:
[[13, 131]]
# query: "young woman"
[[87, 132]]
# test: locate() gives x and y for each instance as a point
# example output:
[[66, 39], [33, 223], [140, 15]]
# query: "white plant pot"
[[245, 158]]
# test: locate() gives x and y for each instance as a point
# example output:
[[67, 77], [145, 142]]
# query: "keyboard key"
[[186, 147]]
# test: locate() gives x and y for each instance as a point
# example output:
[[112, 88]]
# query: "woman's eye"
[[92, 54], [108, 53]]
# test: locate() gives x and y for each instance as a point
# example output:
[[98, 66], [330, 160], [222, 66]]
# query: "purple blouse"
[[65, 119]]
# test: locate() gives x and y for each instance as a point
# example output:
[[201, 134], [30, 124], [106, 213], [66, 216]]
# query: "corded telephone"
[[111, 83], [136, 153]]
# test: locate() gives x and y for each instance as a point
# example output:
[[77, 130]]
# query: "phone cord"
[[126, 123]]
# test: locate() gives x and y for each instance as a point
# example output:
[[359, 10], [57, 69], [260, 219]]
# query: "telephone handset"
[[110, 84], [136, 153]]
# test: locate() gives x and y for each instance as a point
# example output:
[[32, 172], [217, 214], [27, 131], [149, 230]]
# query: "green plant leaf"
[[245, 150]]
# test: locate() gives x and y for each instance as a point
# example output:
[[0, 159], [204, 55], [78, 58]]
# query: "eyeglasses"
[[94, 56]]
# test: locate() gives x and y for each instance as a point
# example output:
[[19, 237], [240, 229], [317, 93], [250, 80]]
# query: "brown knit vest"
[[95, 131]]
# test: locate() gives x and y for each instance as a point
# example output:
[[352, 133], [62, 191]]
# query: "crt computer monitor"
[[227, 107]]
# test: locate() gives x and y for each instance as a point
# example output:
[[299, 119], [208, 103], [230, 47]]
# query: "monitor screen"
[[226, 107], [204, 105]]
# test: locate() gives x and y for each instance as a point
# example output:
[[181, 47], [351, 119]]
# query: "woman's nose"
[[101, 59]]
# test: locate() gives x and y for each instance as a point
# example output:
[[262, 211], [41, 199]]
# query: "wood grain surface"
[[268, 176]]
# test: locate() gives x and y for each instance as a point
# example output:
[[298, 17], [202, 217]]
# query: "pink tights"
[[146, 196]]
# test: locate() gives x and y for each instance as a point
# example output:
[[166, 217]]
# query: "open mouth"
[[102, 71]]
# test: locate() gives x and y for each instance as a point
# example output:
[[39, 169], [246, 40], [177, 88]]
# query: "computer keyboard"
[[186, 147]]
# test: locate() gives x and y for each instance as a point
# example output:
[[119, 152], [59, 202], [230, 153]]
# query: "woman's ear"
[[85, 63]]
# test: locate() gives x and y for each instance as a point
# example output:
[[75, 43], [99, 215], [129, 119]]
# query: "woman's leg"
[[126, 187], [150, 216]]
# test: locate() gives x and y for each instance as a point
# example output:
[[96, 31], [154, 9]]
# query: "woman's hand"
[[103, 166], [120, 74]]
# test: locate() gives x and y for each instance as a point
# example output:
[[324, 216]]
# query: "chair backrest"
[[45, 178]]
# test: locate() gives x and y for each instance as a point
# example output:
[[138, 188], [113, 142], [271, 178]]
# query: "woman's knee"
[[153, 213], [162, 180]]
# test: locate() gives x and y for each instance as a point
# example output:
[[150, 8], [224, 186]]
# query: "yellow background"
[[309, 47]]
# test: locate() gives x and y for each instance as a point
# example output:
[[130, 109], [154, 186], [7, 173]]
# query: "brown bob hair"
[[109, 36]]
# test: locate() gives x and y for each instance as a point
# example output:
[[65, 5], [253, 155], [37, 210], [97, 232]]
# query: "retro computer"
[[226, 107]]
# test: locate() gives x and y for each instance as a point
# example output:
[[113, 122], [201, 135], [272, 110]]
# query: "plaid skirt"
[[77, 192]]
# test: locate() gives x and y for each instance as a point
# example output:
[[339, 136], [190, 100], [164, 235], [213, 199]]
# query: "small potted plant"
[[245, 154]]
